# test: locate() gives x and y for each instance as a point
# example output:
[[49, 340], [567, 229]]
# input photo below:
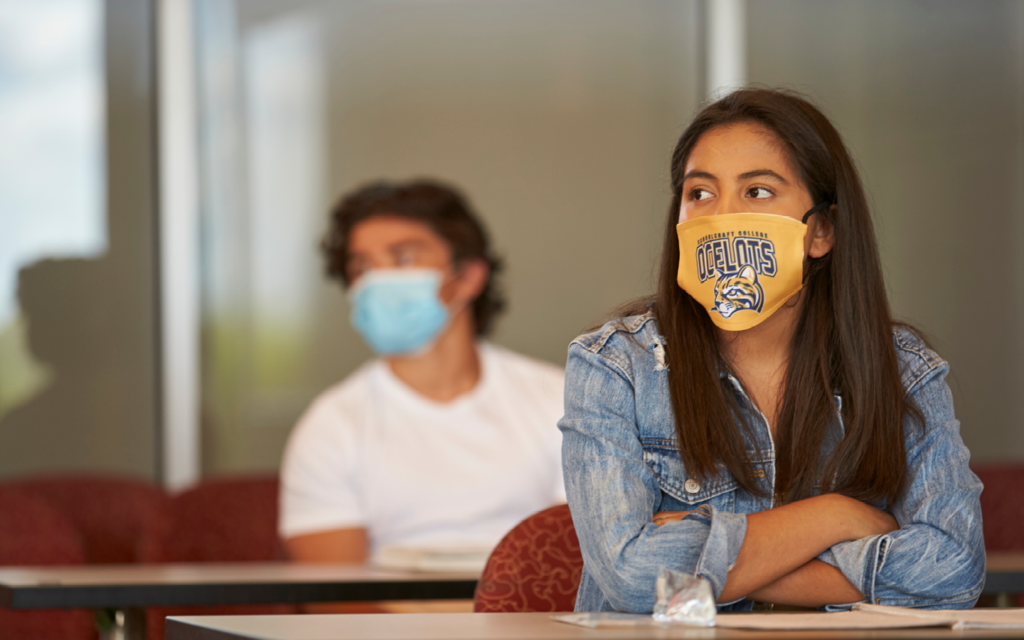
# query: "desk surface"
[[121, 586], [496, 626]]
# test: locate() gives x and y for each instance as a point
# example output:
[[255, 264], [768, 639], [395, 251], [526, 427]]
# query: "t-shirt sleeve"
[[554, 397], [558, 490], [319, 476], [540, 386]]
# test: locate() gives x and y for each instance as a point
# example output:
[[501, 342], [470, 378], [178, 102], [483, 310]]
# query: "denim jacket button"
[[691, 485]]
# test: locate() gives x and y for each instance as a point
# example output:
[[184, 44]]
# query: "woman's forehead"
[[730, 150]]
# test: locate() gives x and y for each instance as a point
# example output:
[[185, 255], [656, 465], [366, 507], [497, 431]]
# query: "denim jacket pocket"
[[662, 456]]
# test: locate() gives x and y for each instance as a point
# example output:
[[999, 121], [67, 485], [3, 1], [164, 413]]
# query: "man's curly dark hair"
[[441, 208]]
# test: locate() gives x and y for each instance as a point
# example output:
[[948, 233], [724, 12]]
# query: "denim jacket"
[[622, 464]]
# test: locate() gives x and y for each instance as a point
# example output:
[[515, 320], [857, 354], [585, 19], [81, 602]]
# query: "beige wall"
[[930, 97]]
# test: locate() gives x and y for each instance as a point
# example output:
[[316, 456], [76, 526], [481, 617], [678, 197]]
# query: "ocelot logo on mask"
[[742, 267]]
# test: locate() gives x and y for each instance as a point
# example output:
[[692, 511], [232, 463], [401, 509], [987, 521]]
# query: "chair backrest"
[[34, 533], [109, 512], [535, 567], [1002, 505], [219, 520]]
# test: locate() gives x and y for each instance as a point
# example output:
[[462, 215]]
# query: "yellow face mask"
[[742, 267]]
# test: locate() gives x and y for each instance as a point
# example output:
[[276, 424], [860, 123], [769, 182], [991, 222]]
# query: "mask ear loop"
[[816, 209]]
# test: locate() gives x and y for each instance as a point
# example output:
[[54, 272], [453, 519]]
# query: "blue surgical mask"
[[398, 311]]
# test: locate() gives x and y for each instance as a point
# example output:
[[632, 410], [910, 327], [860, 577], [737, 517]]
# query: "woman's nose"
[[729, 203]]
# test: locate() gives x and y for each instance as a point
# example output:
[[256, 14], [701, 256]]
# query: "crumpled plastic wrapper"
[[683, 598]]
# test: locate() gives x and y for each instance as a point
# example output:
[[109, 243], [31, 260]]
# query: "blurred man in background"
[[444, 442]]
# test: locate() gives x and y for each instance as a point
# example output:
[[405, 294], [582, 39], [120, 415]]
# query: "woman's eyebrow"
[[699, 174], [762, 173]]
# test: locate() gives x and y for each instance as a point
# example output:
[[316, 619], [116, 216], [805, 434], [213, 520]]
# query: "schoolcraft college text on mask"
[[398, 311], [741, 267]]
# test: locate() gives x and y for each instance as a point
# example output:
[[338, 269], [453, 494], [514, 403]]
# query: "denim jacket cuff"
[[829, 558], [722, 546], [860, 561]]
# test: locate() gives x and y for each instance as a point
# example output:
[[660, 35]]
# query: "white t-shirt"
[[371, 452]]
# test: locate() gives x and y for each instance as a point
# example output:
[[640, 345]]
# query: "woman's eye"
[[759, 192], [406, 259], [699, 194]]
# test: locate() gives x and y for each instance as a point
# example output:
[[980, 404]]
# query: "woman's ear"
[[823, 234]]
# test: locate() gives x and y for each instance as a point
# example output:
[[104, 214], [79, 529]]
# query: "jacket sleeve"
[[613, 493], [937, 557]]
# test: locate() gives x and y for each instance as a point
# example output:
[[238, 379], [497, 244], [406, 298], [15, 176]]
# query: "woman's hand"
[[663, 517]]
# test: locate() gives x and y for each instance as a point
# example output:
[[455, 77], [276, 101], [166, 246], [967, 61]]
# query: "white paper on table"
[[863, 616], [871, 616], [958, 619], [607, 619], [784, 621], [432, 559], [614, 619], [759, 621]]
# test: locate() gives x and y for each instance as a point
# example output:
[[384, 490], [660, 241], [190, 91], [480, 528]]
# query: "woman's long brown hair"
[[843, 342]]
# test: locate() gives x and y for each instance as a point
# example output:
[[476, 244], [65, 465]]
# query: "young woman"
[[762, 422]]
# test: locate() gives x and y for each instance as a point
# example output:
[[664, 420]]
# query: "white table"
[[498, 626], [129, 588]]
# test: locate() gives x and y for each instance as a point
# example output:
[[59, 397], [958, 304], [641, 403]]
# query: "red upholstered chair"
[[1002, 505], [34, 533], [535, 567], [109, 512], [1002, 508], [221, 520]]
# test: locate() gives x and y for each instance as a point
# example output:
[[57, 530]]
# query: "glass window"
[[77, 295], [52, 160]]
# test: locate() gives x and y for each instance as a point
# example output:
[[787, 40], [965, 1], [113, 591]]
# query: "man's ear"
[[824, 234], [471, 279]]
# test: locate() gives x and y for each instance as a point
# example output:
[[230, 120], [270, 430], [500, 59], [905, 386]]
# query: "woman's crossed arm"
[[776, 562]]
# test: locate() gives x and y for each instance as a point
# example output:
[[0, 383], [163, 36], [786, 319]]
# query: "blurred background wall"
[[930, 97], [557, 118]]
